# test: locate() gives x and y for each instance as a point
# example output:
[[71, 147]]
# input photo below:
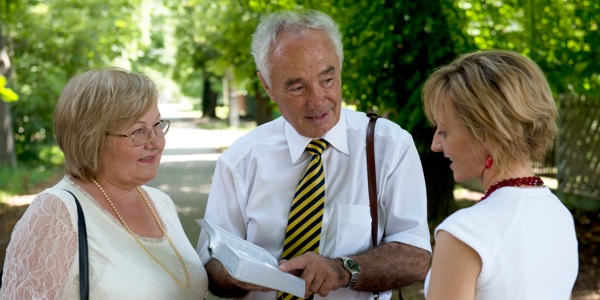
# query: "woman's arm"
[[42, 248], [454, 269]]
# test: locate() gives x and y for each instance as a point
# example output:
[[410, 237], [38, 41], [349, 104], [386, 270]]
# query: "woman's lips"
[[147, 159]]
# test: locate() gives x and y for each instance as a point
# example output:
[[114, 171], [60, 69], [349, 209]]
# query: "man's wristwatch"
[[352, 266]]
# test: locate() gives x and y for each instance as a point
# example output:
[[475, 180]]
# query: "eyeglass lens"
[[141, 137]]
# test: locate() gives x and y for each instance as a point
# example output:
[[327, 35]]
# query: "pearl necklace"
[[530, 181], [162, 229]]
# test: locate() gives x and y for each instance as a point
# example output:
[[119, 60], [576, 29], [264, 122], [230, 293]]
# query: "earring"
[[489, 161]]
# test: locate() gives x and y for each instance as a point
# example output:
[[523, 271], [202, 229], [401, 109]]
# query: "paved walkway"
[[188, 163]]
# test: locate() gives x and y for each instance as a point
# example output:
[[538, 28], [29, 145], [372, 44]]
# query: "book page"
[[248, 249], [218, 235]]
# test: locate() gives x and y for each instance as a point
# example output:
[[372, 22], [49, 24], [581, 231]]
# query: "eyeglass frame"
[[145, 129]]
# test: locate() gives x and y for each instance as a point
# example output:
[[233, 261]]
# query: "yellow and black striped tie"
[[304, 224]]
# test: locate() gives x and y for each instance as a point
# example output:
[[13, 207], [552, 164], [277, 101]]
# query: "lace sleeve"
[[41, 251]]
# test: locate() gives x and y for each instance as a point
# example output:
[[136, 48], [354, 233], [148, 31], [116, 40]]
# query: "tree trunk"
[[264, 109], [234, 111], [209, 99], [8, 157]]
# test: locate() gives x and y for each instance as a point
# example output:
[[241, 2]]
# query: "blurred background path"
[[188, 163]]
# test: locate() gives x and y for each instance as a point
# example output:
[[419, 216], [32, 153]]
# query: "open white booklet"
[[248, 262]]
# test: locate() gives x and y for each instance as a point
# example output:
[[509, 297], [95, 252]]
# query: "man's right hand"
[[321, 274], [243, 285]]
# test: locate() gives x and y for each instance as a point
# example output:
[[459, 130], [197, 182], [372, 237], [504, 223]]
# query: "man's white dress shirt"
[[256, 178]]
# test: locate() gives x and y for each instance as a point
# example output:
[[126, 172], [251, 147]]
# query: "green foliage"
[[6, 94], [391, 46], [561, 36], [26, 179], [53, 40], [213, 36], [52, 156], [32, 117]]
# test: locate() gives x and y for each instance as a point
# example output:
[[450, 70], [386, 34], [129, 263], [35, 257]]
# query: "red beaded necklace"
[[530, 181]]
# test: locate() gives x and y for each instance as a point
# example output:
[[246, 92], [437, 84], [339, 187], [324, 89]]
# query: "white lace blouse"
[[42, 259]]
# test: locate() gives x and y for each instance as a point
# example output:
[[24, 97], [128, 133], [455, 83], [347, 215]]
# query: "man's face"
[[306, 81]]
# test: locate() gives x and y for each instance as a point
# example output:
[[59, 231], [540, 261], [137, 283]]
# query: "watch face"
[[352, 265]]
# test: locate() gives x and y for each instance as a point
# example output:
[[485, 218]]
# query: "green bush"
[[27, 180], [30, 177]]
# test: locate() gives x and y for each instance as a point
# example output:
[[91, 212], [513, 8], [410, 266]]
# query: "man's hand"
[[244, 285], [222, 284], [321, 274]]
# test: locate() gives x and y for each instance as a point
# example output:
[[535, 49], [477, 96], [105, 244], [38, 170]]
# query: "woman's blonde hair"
[[502, 98], [93, 104]]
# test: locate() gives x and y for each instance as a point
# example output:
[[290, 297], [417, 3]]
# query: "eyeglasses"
[[141, 136]]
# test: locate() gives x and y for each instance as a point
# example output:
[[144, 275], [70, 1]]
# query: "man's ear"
[[264, 83]]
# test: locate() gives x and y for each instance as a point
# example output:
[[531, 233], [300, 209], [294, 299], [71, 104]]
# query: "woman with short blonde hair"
[[494, 113]]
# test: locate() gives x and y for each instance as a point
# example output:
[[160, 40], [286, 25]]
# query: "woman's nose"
[[436, 145]]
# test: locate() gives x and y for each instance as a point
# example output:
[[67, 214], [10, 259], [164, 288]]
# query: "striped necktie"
[[304, 223]]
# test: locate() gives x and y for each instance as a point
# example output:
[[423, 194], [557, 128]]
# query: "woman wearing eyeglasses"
[[109, 127]]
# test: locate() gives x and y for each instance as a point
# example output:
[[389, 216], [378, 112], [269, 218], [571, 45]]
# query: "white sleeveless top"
[[526, 241]]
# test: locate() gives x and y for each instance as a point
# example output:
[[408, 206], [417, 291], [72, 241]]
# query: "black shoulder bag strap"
[[372, 182], [84, 282]]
